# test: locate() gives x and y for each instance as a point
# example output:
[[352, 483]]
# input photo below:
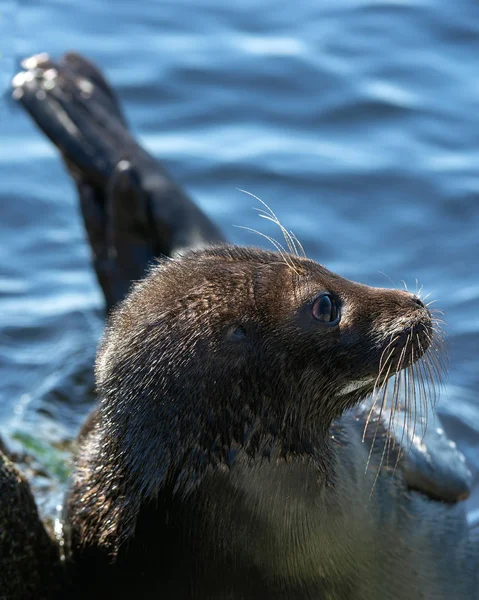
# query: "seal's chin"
[[355, 392]]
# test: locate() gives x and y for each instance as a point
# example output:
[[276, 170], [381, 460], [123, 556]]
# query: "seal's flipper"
[[433, 465], [427, 458], [75, 107]]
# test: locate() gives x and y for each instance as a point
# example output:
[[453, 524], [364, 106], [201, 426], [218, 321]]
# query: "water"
[[357, 121]]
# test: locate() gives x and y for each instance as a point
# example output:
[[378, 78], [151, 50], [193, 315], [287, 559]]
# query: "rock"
[[29, 558]]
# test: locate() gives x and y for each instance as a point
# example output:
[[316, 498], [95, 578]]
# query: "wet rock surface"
[[29, 558]]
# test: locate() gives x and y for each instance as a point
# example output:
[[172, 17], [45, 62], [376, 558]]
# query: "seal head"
[[232, 349]]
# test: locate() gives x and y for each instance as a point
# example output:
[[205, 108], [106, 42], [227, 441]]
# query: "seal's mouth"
[[405, 380], [409, 358], [407, 346]]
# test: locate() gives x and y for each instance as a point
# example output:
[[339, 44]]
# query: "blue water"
[[357, 121]]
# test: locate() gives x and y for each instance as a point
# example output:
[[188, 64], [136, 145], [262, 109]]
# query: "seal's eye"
[[326, 309], [237, 333]]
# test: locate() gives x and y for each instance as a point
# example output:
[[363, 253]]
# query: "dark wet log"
[[132, 209]]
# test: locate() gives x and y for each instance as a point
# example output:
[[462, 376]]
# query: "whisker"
[[300, 245], [287, 237], [418, 375], [375, 387], [423, 380], [394, 284], [383, 402], [275, 243]]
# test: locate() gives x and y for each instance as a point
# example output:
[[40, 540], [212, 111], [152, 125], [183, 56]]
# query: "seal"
[[234, 453], [210, 470]]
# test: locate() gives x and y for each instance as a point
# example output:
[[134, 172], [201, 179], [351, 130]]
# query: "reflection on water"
[[356, 121]]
